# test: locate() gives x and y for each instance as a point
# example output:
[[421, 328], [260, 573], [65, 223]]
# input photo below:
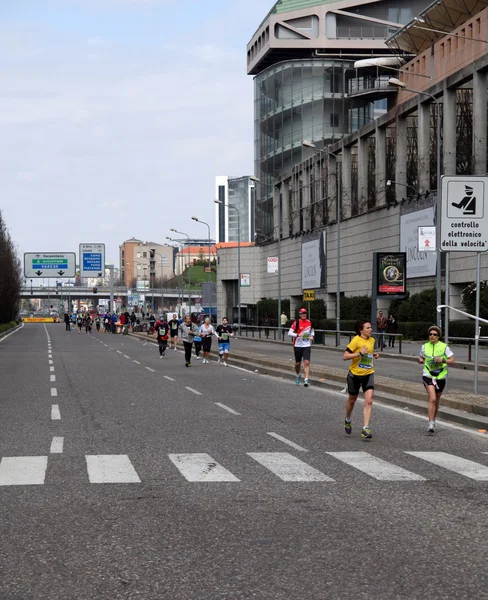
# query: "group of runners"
[[193, 335], [435, 356]]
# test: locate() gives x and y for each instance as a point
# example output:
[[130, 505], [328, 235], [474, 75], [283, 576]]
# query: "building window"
[[144, 255], [334, 120], [442, 50]]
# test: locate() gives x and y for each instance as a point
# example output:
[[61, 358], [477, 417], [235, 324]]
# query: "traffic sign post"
[[464, 228], [49, 265], [92, 260]]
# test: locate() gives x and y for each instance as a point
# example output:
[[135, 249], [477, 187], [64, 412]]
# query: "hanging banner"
[[392, 271]]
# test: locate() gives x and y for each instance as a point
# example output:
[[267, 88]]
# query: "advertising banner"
[[273, 265], [392, 270], [313, 263], [420, 262]]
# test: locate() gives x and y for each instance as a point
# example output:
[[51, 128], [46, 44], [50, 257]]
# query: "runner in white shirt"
[[206, 331], [303, 334]]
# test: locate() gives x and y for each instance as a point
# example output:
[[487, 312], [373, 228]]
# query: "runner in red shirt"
[[302, 333]]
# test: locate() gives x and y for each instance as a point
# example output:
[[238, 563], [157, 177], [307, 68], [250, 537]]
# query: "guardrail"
[[322, 336]]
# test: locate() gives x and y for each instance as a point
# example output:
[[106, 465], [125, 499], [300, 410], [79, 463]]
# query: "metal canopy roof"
[[443, 15]]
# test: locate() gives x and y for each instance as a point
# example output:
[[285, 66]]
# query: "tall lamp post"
[[189, 265], [180, 288], [400, 84], [257, 180], [233, 207], [309, 144], [209, 264]]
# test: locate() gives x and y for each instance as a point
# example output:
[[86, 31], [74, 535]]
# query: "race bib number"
[[366, 362], [433, 367], [174, 326], [224, 336]]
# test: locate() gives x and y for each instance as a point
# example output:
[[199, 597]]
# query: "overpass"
[[82, 293]]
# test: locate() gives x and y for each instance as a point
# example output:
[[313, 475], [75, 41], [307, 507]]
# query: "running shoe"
[[298, 380], [160, 356], [198, 358], [225, 364], [187, 364], [431, 427], [347, 426], [305, 382], [366, 433], [175, 350]]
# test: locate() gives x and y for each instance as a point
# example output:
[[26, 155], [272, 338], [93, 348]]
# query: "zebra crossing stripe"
[[23, 470], [111, 468], [376, 467], [287, 467], [459, 465], [201, 467]]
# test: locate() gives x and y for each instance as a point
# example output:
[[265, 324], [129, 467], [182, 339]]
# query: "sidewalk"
[[456, 406]]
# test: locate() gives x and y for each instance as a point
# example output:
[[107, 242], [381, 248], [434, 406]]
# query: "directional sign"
[[464, 214], [38, 265], [92, 260]]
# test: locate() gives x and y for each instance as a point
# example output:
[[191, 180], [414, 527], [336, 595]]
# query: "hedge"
[[7, 326]]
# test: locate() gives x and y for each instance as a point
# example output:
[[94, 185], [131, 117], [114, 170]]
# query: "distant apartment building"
[[235, 215], [145, 261]]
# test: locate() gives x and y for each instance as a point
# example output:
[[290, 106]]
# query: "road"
[[126, 476]]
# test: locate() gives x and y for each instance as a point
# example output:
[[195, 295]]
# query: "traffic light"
[[95, 290]]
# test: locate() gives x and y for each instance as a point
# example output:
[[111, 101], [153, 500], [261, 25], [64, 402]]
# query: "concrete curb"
[[11, 330], [388, 391]]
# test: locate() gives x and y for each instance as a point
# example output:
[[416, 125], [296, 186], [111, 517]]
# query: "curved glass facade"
[[299, 100]]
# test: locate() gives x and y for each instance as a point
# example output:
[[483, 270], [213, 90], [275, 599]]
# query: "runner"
[[223, 333], [303, 334], [206, 331], [162, 331], [361, 375], [79, 322], [187, 331], [88, 323], [173, 330], [97, 322], [435, 356]]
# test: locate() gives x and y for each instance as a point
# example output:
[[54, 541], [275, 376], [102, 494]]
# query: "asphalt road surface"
[[127, 476]]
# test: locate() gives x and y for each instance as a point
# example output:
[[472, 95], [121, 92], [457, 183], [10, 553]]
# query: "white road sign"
[[273, 265], [38, 265], [464, 214], [426, 239], [92, 260]]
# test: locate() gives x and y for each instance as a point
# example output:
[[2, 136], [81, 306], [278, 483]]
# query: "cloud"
[[130, 138]]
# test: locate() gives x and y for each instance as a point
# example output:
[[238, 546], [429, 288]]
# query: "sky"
[[116, 116]]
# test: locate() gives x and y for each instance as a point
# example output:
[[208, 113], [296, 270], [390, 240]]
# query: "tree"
[[468, 298], [10, 276]]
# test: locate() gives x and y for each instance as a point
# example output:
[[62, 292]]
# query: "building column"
[[479, 122], [285, 208], [401, 159], [380, 160], [306, 209], [346, 182], [276, 211], [423, 145], [449, 131], [332, 187], [362, 172]]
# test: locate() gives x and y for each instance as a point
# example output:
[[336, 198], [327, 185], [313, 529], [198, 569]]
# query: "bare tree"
[[10, 276]]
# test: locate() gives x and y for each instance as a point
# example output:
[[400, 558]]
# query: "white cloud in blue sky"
[[116, 115]]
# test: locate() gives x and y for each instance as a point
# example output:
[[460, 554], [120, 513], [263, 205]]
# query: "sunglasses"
[[433, 333]]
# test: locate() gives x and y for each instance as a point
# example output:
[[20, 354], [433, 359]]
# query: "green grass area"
[[197, 275], [7, 326]]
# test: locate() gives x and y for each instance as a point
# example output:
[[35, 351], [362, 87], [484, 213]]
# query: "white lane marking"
[[54, 392], [57, 445], [193, 391], [11, 333], [51, 368], [459, 465], [51, 362], [53, 377], [119, 352], [288, 467], [231, 410], [168, 378], [111, 468], [285, 441], [137, 362], [49, 355], [125, 355], [23, 470], [201, 467], [55, 414], [376, 467], [149, 369]]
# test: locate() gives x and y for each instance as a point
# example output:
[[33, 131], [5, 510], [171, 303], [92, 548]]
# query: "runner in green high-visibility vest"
[[435, 356]]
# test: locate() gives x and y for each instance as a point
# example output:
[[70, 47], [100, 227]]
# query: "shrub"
[[355, 307], [416, 307], [468, 298]]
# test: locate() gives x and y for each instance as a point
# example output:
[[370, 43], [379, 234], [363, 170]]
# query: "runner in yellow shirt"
[[361, 375]]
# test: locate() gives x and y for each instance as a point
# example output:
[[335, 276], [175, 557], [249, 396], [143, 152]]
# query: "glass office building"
[[235, 216]]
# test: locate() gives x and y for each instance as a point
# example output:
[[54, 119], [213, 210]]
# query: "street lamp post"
[[400, 84], [189, 265], [309, 144], [209, 265], [233, 207], [180, 288]]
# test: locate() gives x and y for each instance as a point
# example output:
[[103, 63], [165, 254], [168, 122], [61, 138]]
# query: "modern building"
[[145, 261], [235, 215], [306, 88]]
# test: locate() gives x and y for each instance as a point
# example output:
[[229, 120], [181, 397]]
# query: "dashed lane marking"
[[286, 441], [228, 409]]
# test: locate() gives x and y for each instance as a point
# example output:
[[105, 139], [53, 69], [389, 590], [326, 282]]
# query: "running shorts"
[[356, 382], [207, 343], [302, 353], [174, 333], [224, 347], [441, 383]]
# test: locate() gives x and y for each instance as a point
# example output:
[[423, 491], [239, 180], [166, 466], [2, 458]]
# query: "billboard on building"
[[420, 263], [313, 262], [392, 267]]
